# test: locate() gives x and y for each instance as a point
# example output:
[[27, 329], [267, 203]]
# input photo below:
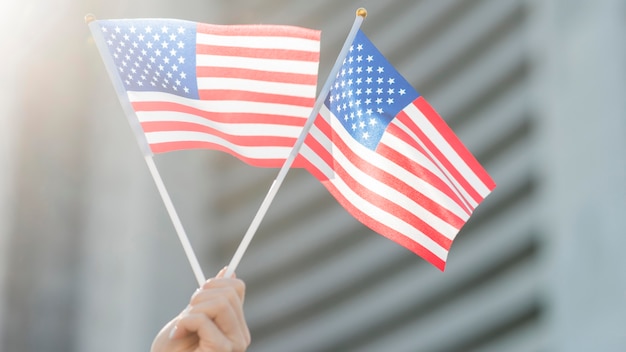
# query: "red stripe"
[[249, 141], [259, 30], [384, 230], [414, 167], [404, 118], [219, 116], [239, 95], [174, 146], [258, 75], [456, 144], [258, 53]]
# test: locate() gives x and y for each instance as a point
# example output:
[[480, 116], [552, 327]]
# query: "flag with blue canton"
[[390, 160], [243, 89]]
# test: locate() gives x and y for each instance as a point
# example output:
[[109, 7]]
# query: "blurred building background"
[[89, 260]]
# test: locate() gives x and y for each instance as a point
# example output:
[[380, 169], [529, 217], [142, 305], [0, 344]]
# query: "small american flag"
[[243, 89], [390, 160]]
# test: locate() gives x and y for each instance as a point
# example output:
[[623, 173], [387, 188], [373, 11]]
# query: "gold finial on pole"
[[361, 12], [90, 17]]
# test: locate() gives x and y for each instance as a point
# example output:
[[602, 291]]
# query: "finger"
[[238, 285], [227, 295], [211, 338], [222, 273], [226, 318]]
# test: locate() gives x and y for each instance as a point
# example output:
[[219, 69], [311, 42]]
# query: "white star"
[[148, 29], [380, 69], [164, 29], [370, 58], [390, 91], [391, 80], [172, 37], [132, 29], [402, 91], [366, 135], [359, 47], [389, 101], [181, 45], [181, 30], [181, 60]]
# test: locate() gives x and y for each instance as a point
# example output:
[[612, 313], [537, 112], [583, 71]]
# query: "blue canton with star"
[[368, 93], [154, 55]]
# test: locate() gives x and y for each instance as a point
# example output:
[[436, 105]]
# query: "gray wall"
[[89, 260]]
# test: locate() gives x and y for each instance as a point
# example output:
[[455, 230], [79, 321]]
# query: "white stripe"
[[260, 42], [239, 129], [222, 106], [440, 143], [253, 152], [259, 64], [250, 85], [313, 157]]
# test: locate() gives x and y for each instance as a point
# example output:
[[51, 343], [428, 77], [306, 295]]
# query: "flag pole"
[[144, 147], [361, 13]]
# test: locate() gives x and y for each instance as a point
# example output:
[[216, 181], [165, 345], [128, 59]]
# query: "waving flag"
[[390, 160], [242, 89]]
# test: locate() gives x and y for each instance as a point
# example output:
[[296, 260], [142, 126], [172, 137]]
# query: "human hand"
[[212, 322]]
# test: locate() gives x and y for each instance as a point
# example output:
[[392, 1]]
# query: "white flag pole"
[[361, 13], [144, 147], [182, 236]]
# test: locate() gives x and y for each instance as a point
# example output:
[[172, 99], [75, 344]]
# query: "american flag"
[[390, 160], [243, 89]]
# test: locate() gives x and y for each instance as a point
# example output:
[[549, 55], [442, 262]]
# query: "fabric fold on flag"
[[243, 89], [390, 160]]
